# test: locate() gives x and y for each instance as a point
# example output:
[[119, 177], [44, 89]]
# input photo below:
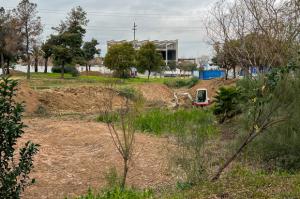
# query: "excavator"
[[201, 99]]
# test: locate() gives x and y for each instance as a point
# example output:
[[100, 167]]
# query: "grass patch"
[[163, 121], [179, 83], [241, 182], [118, 193]]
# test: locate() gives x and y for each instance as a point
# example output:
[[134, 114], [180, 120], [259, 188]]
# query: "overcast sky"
[[113, 20]]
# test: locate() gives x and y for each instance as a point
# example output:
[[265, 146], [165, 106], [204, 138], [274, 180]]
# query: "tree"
[[90, 50], [67, 43], [187, 66], [47, 51], [36, 53], [62, 50], [123, 139], [13, 175], [30, 27], [148, 59], [203, 60], [265, 33], [10, 40], [120, 57]]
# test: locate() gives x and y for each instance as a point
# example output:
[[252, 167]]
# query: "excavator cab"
[[201, 98]]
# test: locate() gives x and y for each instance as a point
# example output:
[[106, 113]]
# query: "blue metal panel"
[[211, 74]]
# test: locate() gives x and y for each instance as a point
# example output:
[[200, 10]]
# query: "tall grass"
[[163, 121]]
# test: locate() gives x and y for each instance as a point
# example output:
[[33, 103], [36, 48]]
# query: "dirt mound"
[[75, 155], [212, 86], [83, 99], [156, 92], [29, 97]]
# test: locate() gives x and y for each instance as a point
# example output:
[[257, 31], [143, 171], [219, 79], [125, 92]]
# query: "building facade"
[[167, 48]]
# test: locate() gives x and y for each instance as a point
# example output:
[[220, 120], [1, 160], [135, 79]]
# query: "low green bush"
[[179, 83], [227, 102], [129, 93], [68, 69]]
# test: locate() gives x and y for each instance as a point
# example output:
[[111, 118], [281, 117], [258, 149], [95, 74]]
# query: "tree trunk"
[[226, 74], [27, 51], [233, 157], [89, 67], [123, 182], [234, 71], [86, 68], [2, 63], [7, 67], [46, 65], [63, 70], [36, 63], [149, 72]]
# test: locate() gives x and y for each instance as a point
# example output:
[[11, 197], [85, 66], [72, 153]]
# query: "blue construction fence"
[[209, 74]]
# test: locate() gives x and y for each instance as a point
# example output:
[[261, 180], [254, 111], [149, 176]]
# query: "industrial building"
[[167, 48]]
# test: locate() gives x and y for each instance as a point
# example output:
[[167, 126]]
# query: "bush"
[[279, 147], [179, 83], [129, 93], [227, 103], [14, 176], [68, 69]]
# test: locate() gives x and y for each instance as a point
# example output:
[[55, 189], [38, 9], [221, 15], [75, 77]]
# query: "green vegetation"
[[148, 59], [242, 182], [120, 58], [14, 170], [227, 103], [179, 83], [68, 69], [163, 121], [118, 193]]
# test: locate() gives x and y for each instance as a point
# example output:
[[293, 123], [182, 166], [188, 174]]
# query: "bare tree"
[[123, 137], [266, 31], [30, 27]]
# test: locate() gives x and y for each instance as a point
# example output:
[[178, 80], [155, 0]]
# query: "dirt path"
[[74, 155]]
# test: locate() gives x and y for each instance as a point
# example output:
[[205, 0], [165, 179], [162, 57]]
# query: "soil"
[[29, 97], [156, 92], [75, 155], [212, 86], [82, 99]]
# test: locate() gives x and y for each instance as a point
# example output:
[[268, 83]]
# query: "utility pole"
[[134, 32]]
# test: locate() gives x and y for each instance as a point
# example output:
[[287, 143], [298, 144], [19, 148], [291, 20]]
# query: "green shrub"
[[179, 83], [279, 147], [129, 93], [15, 166], [118, 193], [68, 69], [227, 103]]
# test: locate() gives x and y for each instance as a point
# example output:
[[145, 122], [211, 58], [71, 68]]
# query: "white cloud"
[[156, 19]]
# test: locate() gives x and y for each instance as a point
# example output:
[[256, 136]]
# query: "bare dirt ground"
[[75, 155], [155, 92], [212, 86]]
